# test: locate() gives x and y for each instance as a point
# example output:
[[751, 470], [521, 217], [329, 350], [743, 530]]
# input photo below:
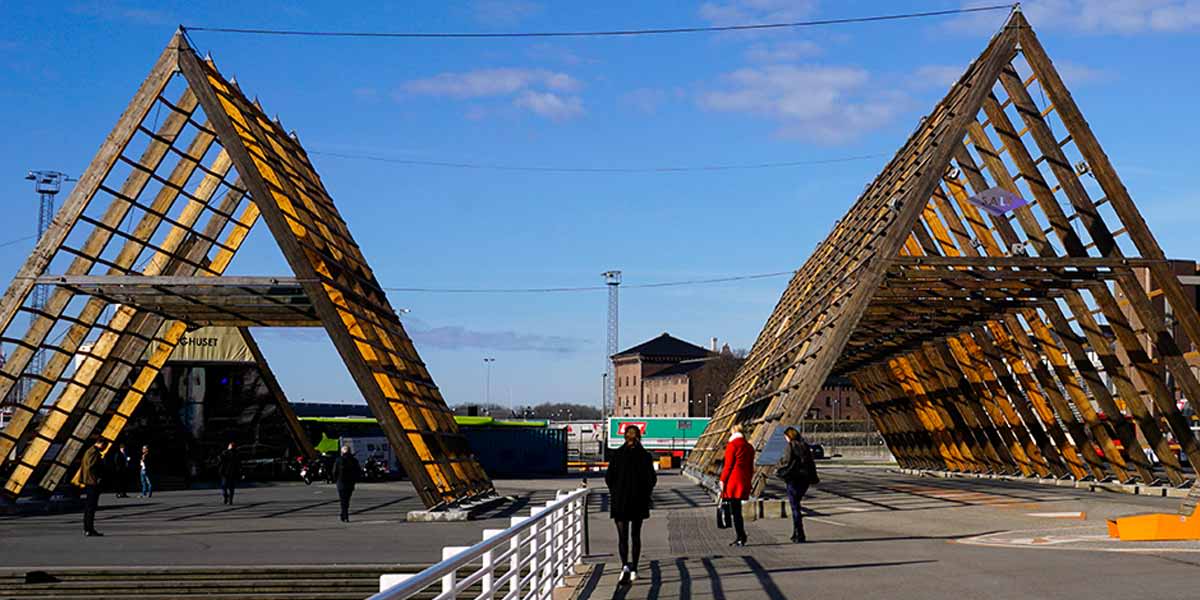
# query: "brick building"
[[1189, 278], [837, 399], [668, 377]]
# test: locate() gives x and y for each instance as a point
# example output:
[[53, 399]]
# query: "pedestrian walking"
[[735, 479], [229, 468], [91, 472], [798, 469], [630, 480], [346, 473], [120, 472], [144, 472]]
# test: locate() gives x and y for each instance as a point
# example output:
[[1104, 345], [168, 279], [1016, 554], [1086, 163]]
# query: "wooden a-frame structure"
[[985, 343], [136, 257]]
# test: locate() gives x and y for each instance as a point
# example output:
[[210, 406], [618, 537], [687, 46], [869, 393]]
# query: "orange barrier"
[[1156, 527]]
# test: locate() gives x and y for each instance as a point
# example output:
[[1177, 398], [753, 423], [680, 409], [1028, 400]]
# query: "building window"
[[827, 403]]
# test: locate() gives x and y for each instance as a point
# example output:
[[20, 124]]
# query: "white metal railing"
[[527, 561]]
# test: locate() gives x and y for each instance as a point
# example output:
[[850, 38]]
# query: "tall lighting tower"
[[47, 184], [613, 280]]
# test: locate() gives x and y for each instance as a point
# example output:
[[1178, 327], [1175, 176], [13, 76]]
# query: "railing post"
[[587, 532], [534, 559], [514, 563], [449, 579], [489, 568], [559, 545], [548, 563]]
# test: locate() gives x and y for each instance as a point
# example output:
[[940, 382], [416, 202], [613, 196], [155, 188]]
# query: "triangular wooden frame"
[[976, 341], [218, 164]]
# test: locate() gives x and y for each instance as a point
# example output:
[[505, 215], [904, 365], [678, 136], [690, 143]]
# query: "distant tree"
[[710, 382], [485, 410], [560, 411]]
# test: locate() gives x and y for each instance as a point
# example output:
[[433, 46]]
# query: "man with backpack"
[[798, 470]]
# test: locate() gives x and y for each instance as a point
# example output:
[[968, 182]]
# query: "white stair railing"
[[528, 560]]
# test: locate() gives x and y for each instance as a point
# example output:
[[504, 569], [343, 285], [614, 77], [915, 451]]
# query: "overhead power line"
[[600, 33], [587, 288], [17, 241], [553, 169]]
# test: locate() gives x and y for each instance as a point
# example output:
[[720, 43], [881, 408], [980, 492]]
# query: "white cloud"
[[546, 93], [455, 337], [550, 105], [782, 51], [490, 82], [942, 76], [741, 12], [366, 93], [504, 12], [118, 11], [1075, 74], [1092, 16], [555, 53], [646, 100], [825, 104]]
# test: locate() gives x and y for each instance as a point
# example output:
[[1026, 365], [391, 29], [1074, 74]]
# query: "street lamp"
[[487, 390]]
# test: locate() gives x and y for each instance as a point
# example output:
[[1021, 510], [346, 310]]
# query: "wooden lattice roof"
[[191, 185], [986, 342]]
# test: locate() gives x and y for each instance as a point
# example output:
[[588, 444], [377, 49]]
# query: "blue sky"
[[68, 69]]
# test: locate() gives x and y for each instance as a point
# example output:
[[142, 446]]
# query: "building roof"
[[665, 346], [681, 368]]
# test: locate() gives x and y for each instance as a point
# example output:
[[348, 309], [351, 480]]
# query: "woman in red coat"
[[735, 479]]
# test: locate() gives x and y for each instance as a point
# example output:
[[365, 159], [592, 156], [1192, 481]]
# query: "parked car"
[[818, 451]]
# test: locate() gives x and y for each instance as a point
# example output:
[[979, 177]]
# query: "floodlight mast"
[[47, 184], [613, 280]]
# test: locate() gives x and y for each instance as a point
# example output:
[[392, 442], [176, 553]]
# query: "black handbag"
[[724, 515]]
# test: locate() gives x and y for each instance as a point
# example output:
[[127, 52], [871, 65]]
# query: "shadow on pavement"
[[674, 579]]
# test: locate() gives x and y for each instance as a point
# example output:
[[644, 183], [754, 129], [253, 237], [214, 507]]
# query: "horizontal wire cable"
[[601, 33], [587, 288], [18, 240], [548, 169]]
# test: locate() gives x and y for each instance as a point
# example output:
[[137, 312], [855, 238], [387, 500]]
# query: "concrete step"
[[297, 595], [208, 573], [319, 582]]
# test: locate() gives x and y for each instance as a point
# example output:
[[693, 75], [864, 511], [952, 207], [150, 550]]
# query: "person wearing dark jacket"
[[736, 477], [90, 474], [346, 473], [120, 472], [630, 480], [798, 470], [229, 468]]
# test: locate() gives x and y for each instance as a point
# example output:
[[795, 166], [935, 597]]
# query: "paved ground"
[[287, 523], [875, 533]]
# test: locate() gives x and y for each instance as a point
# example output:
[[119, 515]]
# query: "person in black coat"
[[229, 468], [120, 471], [798, 470], [630, 480], [346, 473]]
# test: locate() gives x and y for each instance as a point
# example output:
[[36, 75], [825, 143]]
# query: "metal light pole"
[[604, 395], [47, 184], [613, 280], [487, 389]]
